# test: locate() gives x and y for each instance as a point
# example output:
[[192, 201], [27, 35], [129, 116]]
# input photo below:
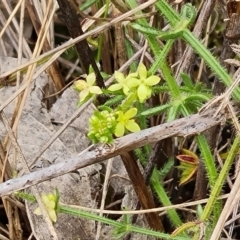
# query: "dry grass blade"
[[25, 166], [29, 75], [71, 42], [53, 70], [10, 18]]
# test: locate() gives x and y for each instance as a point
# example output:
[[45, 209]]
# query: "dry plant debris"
[[47, 45]]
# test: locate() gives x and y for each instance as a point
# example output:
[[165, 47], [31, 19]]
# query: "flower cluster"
[[105, 124], [138, 81], [101, 126], [50, 202]]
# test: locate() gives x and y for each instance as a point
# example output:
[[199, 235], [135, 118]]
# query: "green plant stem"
[[216, 189], [142, 119], [174, 19], [91, 216], [161, 58], [172, 84], [175, 92], [172, 16], [210, 167], [143, 125], [162, 195], [208, 158], [88, 215], [128, 102], [130, 228]]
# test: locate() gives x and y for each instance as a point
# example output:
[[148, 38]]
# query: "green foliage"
[[156, 110], [165, 169], [191, 97], [121, 231], [121, 228], [86, 4], [141, 155], [114, 100], [25, 196], [188, 12], [163, 197], [218, 184], [132, 91], [130, 53], [129, 91], [188, 15], [102, 126]]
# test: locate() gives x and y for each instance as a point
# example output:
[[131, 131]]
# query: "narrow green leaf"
[[155, 110], [218, 184], [147, 30], [187, 80], [86, 4], [173, 111]]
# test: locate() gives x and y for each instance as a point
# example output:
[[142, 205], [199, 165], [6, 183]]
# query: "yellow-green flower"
[[50, 203], [143, 83], [125, 121], [87, 87], [122, 83], [102, 126]]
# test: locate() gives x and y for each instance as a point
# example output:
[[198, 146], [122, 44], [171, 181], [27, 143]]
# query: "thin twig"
[[194, 124], [160, 209]]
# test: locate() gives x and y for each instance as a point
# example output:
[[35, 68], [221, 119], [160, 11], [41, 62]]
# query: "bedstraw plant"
[[126, 112]]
